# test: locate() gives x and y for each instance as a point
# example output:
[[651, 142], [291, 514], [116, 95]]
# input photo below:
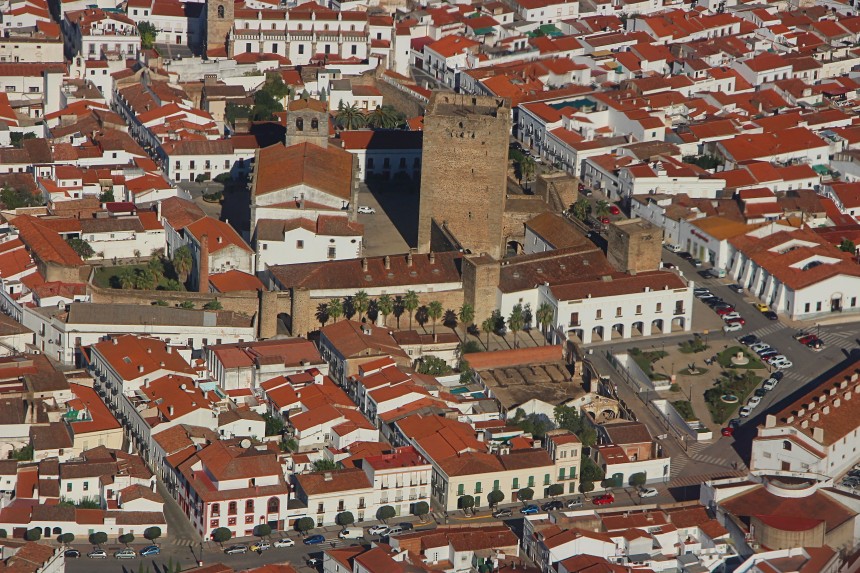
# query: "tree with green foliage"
[[263, 530], [186, 304], [528, 167], [182, 262], [384, 117], [274, 424], [526, 494], [152, 533], [466, 314], [335, 309], [385, 306], [66, 538], [586, 486], [17, 139], [568, 418], [434, 366], [385, 512], [350, 116], [581, 209], [544, 316], [847, 245], [410, 303], [434, 311], [107, 196], [361, 302], [601, 208], [18, 198], [160, 302], [148, 33], [555, 489], [344, 518], [97, 538], [465, 502], [495, 497], [421, 509], [23, 454], [221, 535], [516, 321], [145, 279], [466, 373], [213, 305], [325, 465], [488, 327], [590, 471], [638, 479], [156, 266], [172, 285], [126, 539], [265, 106], [304, 524]]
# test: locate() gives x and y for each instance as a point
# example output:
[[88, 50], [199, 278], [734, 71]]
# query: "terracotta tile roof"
[[353, 339], [221, 235], [231, 463], [180, 212], [235, 280], [100, 417], [128, 353], [329, 169], [174, 396], [318, 483], [620, 283], [784, 512], [44, 243]]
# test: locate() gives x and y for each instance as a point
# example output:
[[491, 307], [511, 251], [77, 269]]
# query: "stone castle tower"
[[464, 173], [634, 245], [307, 122], [219, 22]]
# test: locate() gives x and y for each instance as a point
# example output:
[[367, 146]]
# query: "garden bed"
[[685, 409], [724, 359], [740, 385], [110, 277], [645, 361]]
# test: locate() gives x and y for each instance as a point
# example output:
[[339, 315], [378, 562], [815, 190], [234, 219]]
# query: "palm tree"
[[467, 316], [360, 302], [581, 209], [516, 321], [156, 267], [126, 279], [350, 117], [601, 209], [488, 326], [434, 311], [335, 309], [544, 316], [182, 262], [527, 169], [144, 279], [385, 306], [383, 117], [410, 303]]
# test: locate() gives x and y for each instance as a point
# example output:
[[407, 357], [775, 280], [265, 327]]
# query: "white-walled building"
[[384, 154], [326, 494]]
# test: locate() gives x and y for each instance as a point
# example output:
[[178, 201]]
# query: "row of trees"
[[350, 116], [152, 275], [98, 538], [582, 209]]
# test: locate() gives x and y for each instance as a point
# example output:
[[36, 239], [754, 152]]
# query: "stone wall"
[[480, 280], [244, 302], [463, 171]]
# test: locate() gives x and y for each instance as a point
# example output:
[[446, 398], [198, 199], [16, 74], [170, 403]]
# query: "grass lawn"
[[685, 409], [724, 358], [646, 360], [740, 386], [108, 277], [693, 346]]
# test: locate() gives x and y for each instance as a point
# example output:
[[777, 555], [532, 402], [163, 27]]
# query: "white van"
[[352, 533], [673, 248]]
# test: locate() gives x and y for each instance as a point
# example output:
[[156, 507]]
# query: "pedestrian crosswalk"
[[769, 329], [701, 478], [180, 542]]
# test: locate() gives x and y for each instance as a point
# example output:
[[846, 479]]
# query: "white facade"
[[301, 245]]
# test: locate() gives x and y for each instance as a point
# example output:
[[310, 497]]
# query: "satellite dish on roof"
[[245, 443]]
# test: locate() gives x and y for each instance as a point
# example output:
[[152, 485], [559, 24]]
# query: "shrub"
[[466, 502], [385, 512], [685, 409], [495, 497], [152, 533], [304, 524], [421, 509], [344, 518], [637, 479], [555, 489], [221, 535], [526, 494]]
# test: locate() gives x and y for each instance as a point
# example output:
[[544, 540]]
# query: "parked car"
[[696, 263], [150, 550], [351, 533], [614, 210], [71, 554], [760, 392], [668, 266], [685, 255], [97, 554], [367, 210], [714, 302], [284, 542], [735, 423], [574, 503], [748, 339], [735, 320], [604, 220], [775, 358], [769, 353], [745, 412], [771, 315], [724, 309], [733, 327], [530, 510], [648, 492], [759, 347], [604, 499], [236, 549], [816, 345], [777, 376], [552, 505], [783, 364], [699, 291], [672, 248], [260, 546], [770, 383], [761, 307], [731, 315], [377, 529], [754, 401], [125, 554], [314, 539], [728, 431], [737, 288], [502, 512]]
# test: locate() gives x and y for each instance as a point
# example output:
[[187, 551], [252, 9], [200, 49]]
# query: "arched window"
[[231, 508], [274, 505], [249, 506], [300, 124], [58, 530], [786, 445], [315, 124], [221, 12]]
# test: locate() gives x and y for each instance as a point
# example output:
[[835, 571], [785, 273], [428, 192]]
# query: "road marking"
[[769, 329]]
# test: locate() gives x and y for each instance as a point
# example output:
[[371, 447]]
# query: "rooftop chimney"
[[409, 259], [432, 258], [203, 274], [140, 368], [161, 363], [115, 341], [327, 476], [170, 410], [387, 261], [364, 264]]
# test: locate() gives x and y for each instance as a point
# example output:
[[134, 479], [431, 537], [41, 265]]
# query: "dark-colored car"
[[737, 288], [503, 512], [685, 255], [734, 422], [714, 302], [760, 392], [552, 505], [71, 554], [770, 315], [748, 339], [777, 375], [314, 540], [696, 263]]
